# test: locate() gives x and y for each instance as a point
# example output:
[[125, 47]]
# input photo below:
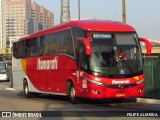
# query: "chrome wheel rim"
[[72, 93], [26, 90]]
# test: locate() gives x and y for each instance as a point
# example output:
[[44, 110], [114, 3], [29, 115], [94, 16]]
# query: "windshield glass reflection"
[[115, 55]]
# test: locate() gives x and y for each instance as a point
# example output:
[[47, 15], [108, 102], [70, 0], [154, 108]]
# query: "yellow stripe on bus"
[[137, 77], [23, 63]]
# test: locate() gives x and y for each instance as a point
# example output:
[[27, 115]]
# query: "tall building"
[[0, 20], [2, 23], [42, 17], [20, 18]]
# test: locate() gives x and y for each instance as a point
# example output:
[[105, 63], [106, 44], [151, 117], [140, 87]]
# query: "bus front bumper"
[[102, 92]]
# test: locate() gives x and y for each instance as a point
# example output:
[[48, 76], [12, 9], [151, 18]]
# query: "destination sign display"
[[102, 36]]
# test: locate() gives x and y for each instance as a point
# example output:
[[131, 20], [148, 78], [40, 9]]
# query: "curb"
[[11, 89], [149, 101]]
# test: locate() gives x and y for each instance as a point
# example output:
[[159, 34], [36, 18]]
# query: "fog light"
[[139, 91], [96, 92]]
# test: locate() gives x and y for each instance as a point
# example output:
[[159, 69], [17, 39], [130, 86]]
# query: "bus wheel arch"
[[26, 90], [71, 92]]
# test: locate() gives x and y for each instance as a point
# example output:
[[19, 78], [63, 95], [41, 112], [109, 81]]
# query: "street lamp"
[[124, 11]]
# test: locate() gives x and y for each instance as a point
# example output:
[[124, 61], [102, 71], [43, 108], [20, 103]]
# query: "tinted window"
[[65, 43], [77, 32], [47, 45], [56, 43], [16, 49]]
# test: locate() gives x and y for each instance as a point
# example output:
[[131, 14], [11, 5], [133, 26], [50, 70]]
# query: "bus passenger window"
[[41, 46], [54, 45]]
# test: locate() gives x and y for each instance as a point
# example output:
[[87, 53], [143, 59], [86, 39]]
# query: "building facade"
[[2, 23], [20, 18]]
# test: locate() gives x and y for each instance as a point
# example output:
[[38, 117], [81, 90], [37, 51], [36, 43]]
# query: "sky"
[[143, 15]]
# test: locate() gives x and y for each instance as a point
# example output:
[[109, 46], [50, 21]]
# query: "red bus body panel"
[[50, 80], [106, 92]]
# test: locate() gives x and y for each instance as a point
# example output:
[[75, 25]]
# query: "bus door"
[[82, 63]]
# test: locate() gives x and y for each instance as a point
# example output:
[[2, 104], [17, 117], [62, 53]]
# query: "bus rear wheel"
[[72, 95], [28, 94]]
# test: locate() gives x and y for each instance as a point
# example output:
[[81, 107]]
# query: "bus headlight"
[[96, 82], [93, 81], [140, 82]]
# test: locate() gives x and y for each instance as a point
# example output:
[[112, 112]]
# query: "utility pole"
[[65, 11], [79, 11], [124, 11]]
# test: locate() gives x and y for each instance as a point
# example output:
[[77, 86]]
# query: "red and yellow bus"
[[94, 59]]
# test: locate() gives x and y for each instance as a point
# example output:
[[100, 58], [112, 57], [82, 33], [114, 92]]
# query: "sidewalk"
[[2, 87], [5, 87], [148, 100]]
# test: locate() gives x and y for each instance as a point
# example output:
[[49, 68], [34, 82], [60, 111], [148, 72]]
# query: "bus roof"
[[92, 25]]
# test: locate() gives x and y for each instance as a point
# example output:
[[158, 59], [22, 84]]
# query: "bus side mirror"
[[148, 45], [86, 43]]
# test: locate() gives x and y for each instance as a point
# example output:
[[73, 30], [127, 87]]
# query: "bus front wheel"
[[72, 94], [28, 94]]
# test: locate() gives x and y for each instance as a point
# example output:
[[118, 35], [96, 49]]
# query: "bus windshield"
[[115, 55]]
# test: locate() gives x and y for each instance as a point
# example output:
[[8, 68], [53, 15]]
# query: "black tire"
[[27, 93], [36, 94], [72, 95]]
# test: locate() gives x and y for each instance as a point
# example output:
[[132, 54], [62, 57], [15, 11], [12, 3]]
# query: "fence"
[[152, 78]]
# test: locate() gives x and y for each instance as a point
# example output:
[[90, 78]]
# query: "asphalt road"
[[11, 100]]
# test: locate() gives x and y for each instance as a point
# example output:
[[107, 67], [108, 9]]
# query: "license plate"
[[120, 94]]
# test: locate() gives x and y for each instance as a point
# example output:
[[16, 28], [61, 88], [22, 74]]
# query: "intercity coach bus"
[[93, 59]]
